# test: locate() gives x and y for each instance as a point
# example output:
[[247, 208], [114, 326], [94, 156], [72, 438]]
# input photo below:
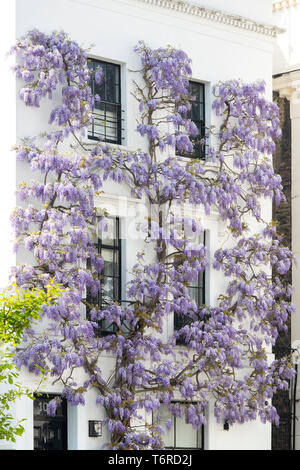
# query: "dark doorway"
[[281, 435], [50, 432]]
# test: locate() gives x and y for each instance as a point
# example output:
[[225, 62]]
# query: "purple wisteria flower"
[[223, 348]]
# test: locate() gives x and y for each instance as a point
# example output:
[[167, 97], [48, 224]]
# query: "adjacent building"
[[286, 82]]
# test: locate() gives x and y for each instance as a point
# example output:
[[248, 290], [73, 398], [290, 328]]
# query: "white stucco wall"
[[218, 51]]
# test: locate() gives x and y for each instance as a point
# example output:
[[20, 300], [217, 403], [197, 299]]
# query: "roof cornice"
[[189, 8], [284, 4], [288, 85]]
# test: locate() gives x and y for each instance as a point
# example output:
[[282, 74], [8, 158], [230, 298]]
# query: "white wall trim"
[[283, 4], [187, 7]]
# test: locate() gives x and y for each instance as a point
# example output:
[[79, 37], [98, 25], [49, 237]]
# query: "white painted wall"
[[219, 52]]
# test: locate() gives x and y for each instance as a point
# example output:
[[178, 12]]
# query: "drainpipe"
[[295, 359]]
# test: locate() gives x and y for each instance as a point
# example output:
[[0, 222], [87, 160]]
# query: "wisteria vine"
[[224, 359]]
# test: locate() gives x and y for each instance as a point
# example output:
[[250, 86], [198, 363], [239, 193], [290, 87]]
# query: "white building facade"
[[225, 40]]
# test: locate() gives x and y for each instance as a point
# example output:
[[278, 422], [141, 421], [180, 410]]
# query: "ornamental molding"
[[124, 206], [118, 205], [284, 4], [288, 86], [189, 8]]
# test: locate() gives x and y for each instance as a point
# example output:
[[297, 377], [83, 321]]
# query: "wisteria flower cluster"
[[50, 62], [56, 223]]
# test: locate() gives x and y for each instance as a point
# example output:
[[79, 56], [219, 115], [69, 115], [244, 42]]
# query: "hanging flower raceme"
[[51, 63]]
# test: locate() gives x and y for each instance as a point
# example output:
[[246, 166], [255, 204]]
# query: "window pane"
[[108, 289], [109, 262], [199, 438], [197, 112], [110, 236], [162, 416], [111, 122], [117, 92], [94, 235], [186, 436], [99, 121], [193, 292], [111, 80], [196, 90], [110, 279], [99, 90]]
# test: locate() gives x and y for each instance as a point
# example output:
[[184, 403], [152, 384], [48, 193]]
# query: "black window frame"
[[99, 300], [94, 64], [199, 151], [201, 429], [179, 320]]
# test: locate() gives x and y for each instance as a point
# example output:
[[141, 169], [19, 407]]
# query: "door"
[[50, 432]]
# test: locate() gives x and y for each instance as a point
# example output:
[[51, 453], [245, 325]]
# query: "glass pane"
[[110, 236], [111, 122], [201, 131], [40, 407], [194, 294], [48, 435], [111, 79], [93, 235], [199, 438], [186, 436], [201, 113], [117, 91], [99, 121], [195, 112], [196, 90], [179, 322], [107, 327], [162, 416], [99, 90], [110, 289], [110, 260]]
